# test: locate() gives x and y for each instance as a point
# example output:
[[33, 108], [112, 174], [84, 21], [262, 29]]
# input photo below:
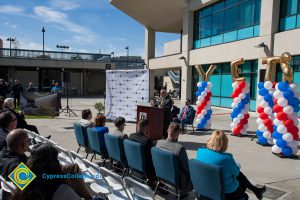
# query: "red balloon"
[[209, 94], [288, 123], [263, 116], [282, 116], [295, 136], [277, 108], [275, 101], [236, 131], [260, 109], [274, 84], [242, 84], [207, 98], [293, 130], [234, 94], [267, 122], [247, 116]]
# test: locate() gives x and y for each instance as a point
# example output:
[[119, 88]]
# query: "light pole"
[[113, 55], [62, 47], [127, 48], [43, 30], [10, 40]]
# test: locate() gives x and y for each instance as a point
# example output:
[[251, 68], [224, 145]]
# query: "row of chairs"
[[132, 158]]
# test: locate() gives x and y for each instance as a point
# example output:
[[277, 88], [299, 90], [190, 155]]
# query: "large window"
[[226, 21], [222, 83], [289, 14]]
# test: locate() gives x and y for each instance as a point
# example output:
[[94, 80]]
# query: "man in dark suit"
[[16, 90], [171, 145], [142, 138], [187, 115], [166, 104]]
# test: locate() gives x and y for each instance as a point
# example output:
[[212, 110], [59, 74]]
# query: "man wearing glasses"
[[8, 122]]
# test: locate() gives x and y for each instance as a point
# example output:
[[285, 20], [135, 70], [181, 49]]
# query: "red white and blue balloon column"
[[203, 93], [265, 111], [241, 100]]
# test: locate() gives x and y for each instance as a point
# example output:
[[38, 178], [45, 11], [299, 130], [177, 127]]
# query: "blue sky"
[[84, 25]]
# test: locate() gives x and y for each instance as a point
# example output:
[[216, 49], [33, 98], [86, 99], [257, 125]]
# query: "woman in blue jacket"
[[235, 181]]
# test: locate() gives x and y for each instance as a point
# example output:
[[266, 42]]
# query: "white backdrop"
[[125, 89]]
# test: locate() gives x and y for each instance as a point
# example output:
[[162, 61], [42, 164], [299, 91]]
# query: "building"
[[217, 32], [124, 62]]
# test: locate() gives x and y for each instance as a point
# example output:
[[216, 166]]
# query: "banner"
[[39, 103], [125, 89]]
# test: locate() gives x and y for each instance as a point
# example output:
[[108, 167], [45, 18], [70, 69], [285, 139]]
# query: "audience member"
[[3, 88], [44, 160], [86, 119], [235, 181], [1, 103], [173, 146], [166, 104], [174, 111], [16, 90], [142, 138], [100, 124], [120, 126], [12, 155], [8, 122], [187, 114], [30, 87]]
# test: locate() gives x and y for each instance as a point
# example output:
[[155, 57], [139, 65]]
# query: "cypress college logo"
[[21, 176]]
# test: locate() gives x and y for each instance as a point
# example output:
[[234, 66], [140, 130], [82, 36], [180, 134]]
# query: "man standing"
[[166, 104], [30, 87], [173, 146], [187, 114], [16, 90], [3, 88]]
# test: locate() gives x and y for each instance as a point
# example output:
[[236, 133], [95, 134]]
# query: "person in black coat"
[[3, 88], [166, 103], [16, 90]]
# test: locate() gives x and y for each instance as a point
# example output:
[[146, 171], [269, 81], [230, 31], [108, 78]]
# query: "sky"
[[91, 26]]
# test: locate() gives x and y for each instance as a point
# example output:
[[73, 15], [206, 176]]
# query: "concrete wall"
[[287, 41], [25, 77], [167, 62], [95, 82], [172, 47]]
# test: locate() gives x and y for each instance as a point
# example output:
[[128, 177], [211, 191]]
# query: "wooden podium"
[[155, 117]]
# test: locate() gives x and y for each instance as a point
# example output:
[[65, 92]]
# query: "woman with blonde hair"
[[235, 182]]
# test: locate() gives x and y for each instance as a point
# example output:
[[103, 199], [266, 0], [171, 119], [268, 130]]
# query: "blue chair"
[[97, 143], [166, 168], [207, 180], [191, 122], [116, 152], [81, 137], [135, 157]]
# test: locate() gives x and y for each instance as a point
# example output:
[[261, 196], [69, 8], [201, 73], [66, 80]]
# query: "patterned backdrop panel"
[[125, 89]]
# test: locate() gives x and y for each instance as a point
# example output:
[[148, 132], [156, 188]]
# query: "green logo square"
[[21, 176]]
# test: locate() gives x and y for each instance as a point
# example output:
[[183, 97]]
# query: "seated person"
[[174, 112], [120, 126], [100, 124], [173, 146], [8, 122], [142, 138], [1, 103], [44, 160], [186, 116], [12, 155], [86, 122], [235, 182]]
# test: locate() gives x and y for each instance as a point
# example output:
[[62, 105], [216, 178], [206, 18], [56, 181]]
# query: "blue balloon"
[[204, 84], [197, 93], [263, 92], [277, 135], [275, 128], [293, 102], [232, 115], [259, 133], [209, 112], [262, 140], [260, 85], [281, 143], [268, 98], [283, 86], [287, 151], [241, 106], [288, 94], [200, 89], [296, 109], [248, 95], [208, 117], [199, 126]]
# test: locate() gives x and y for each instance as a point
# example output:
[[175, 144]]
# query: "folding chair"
[[78, 159], [64, 156], [7, 186], [139, 190]]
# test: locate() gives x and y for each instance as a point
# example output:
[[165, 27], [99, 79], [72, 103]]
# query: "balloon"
[[268, 85], [197, 102], [282, 102], [199, 84], [288, 110], [283, 86], [270, 141], [287, 151], [235, 84], [262, 140], [281, 129], [296, 109], [267, 122], [264, 116], [267, 134], [288, 94], [281, 143], [277, 94], [263, 92], [277, 122], [276, 149], [260, 109], [277, 135], [259, 121], [236, 120], [287, 137], [242, 84], [262, 128], [209, 84], [259, 133], [289, 123], [282, 116], [263, 104], [268, 110], [260, 85], [277, 108]]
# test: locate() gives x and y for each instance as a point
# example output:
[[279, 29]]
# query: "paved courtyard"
[[282, 176]]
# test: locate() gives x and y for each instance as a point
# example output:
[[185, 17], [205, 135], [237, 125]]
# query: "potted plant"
[[100, 107]]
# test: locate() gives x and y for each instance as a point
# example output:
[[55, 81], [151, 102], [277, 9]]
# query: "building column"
[[149, 44], [187, 45], [151, 83], [81, 83]]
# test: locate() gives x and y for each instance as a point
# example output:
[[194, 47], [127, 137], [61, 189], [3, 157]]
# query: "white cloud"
[[14, 26], [10, 9], [64, 4]]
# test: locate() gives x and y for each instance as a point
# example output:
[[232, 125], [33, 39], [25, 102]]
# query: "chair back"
[[166, 166], [135, 155], [81, 138], [97, 142], [207, 179], [7, 186], [139, 191], [78, 159], [115, 148]]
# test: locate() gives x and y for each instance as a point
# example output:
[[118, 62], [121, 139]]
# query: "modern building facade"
[[217, 32]]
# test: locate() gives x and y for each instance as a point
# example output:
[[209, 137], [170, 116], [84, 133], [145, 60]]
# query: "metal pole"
[[127, 56], [43, 30], [9, 46]]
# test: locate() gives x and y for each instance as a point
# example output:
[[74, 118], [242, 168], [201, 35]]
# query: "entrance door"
[[47, 78]]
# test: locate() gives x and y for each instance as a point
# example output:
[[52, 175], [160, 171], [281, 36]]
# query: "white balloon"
[[276, 86], [197, 120], [263, 104], [277, 122], [276, 149], [274, 141], [246, 90], [203, 93], [287, 137], [242, 95], [270, 141], [268, 110], [245, 111], [199, 84], [281, 129], [206, 89], [277, 94], [232, 125], [233, 105], [267, 134], [262, 128], [209, 84], [197, 102], [200, 98], [268, 85], [282, 102], [236, 120], [260, 98], [259, 121], [240, 116], [235, 84], [204, 112], [237, 100], [288, 110]]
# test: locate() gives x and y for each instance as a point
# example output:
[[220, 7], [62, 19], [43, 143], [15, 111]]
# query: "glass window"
[[218, 7], [257, 8], [205, 27], [231, 19], [229, 3], [245, 14], [217, 23], [288, 7], [205, 11]]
